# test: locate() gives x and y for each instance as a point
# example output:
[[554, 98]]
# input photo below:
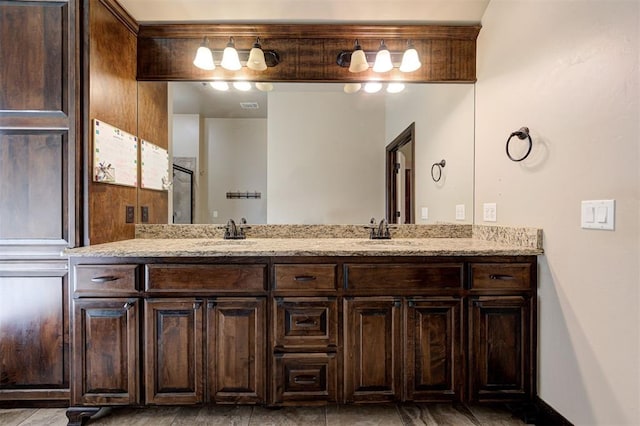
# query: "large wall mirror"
[[309, 153]]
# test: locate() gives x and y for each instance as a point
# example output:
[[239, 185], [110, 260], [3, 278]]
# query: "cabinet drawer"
[[304, 377], [404, 277], [205, 278], [501, 276], [105, 279], [305, 322], [305, 277]]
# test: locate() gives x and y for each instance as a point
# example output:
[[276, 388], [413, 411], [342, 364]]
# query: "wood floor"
[[347, 415]]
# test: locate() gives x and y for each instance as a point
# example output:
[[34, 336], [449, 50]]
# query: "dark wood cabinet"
[[173, 351], [373, 338], [106, 352], [433, 350], [236, 338], [501, 351], [313, 330]]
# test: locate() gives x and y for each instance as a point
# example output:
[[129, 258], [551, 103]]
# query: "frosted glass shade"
[[358, 61], [243, 86], [395, 87], [352, 87], [230, 59], [410, 60], [256, 60], [223, 86], [373, 87], [383, 60], [264, 86], [204, 59]]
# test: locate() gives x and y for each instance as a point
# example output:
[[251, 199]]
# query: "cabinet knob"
[[197, 305], [397, 304], [128, 305], [412, 303]]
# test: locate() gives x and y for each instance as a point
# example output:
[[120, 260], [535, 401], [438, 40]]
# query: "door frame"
[[405, 137]]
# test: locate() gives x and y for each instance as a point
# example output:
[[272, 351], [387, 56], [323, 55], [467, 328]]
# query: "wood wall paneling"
[[308, 52], [112, 99]]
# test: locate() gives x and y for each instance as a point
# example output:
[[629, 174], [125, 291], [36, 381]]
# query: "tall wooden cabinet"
[[39, 128]]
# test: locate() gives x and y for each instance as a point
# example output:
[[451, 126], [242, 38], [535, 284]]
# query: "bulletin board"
[[154, 166], [115, 155]]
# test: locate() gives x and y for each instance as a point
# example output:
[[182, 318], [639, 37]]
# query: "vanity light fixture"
[[358, 59], [383, 59], [256, 59], [230, 58], [410, 59], [204, 57]]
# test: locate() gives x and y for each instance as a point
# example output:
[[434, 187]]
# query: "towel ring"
[[522, 134], [437, 166]]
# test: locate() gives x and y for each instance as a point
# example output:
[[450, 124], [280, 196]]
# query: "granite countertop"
[[208, 247]]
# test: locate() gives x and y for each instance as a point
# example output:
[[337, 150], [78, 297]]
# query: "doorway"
[[400, 177]]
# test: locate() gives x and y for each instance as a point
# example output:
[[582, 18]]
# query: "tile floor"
[[347, 415]]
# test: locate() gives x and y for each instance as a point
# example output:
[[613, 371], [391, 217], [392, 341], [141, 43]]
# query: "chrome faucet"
[[235, 232], [380, 231]]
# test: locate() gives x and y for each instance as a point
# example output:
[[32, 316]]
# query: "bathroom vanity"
[[301, 321]]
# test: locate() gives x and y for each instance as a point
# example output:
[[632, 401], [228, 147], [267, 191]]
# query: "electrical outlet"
[[144, 213], [490, 213], [424, 213], [460, 214], [129, 215]]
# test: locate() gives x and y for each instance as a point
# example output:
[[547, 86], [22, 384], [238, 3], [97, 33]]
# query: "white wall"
[[237, 152], [317, 173], [569, 71], [443, 114]]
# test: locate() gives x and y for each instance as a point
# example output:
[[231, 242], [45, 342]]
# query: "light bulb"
[[264, 86]]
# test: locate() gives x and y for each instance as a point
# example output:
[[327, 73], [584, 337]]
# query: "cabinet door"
[[372, 370], [236, 350], [500, 356], [433, 350], [173, 351], [105, 352]]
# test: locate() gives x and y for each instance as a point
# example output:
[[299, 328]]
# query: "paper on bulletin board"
[[154, 166], [115, 155]]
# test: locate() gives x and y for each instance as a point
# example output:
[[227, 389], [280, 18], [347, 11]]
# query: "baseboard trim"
[[548, 416]]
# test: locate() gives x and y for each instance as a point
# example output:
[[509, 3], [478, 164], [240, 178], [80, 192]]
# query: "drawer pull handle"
[[501, 277], [104, 279], [306, 323], [128, 305], [304, 278], [305, 380]]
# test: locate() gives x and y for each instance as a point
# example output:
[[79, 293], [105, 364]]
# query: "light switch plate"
[[598, 214], [490, 213], [460, 214]]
